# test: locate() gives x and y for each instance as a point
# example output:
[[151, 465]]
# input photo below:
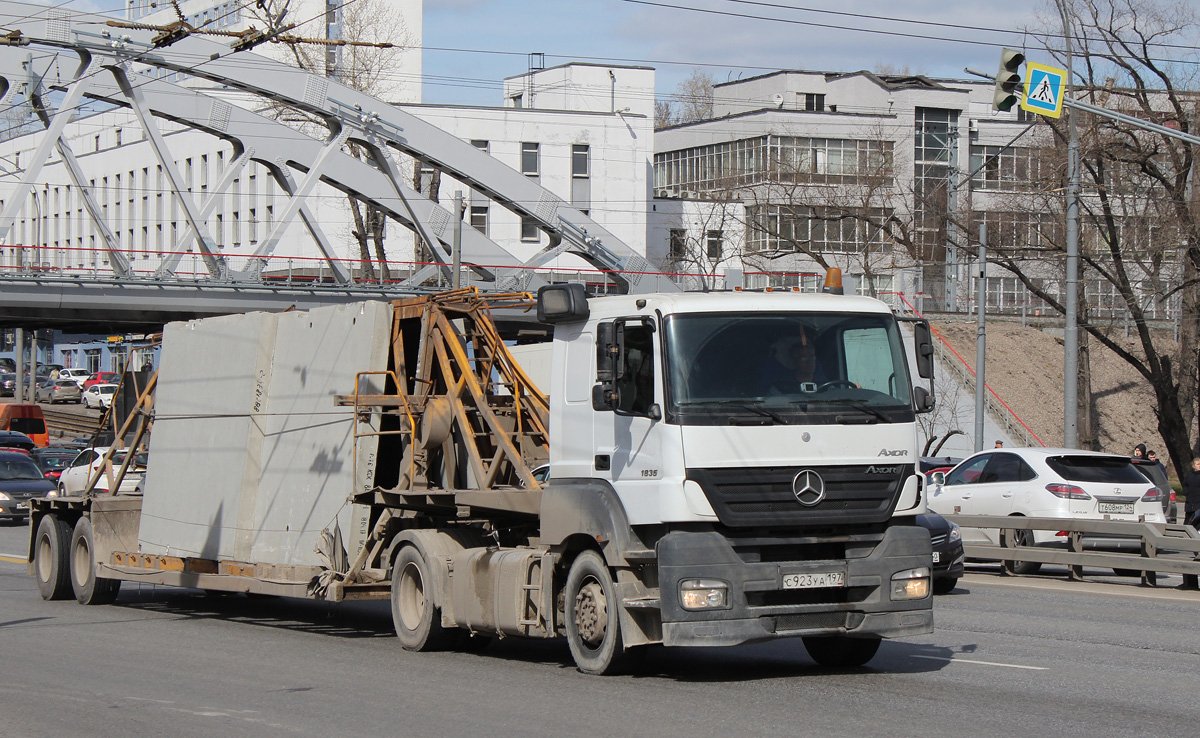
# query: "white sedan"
[[74, 478], [99, 395], [1045, 483]]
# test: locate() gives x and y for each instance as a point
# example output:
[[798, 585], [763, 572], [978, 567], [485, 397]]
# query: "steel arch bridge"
[[59, 60]]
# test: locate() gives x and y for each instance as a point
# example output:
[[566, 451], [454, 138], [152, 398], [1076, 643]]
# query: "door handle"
[[1007, 494]]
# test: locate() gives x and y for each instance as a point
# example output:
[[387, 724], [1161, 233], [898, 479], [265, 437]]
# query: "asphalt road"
[[1010, 657]]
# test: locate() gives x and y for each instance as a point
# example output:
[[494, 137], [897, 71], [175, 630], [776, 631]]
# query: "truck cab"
[[762, 445]]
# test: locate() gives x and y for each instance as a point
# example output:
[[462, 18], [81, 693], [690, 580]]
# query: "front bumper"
[[760, 609], [14, 509], [950, 561]]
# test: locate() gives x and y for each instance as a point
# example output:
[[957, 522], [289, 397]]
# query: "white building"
[[827, 161]]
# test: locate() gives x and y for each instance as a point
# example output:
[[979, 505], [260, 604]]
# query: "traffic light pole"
[[1071, 321]]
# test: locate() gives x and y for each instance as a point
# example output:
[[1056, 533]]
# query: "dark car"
[[52, 461], [20, 481], [947, 551], [1155, 474], [15, 439], [8, 384]]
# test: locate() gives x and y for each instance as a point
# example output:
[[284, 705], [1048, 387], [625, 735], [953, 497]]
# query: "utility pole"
[[981, 340], [1071, 328], [456, 241]]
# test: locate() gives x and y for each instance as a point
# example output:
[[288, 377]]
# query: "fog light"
[[911, 584], [703, 594]]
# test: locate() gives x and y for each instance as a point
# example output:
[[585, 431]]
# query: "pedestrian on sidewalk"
[[1154, 457], [1191, 491], [1139, 451]]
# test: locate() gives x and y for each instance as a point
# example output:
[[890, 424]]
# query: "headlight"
[[911, 584], [52, 493], [955, 533], [4, 496], [703, 594]]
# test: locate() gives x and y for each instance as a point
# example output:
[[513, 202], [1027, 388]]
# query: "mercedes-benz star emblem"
[[808, 487]]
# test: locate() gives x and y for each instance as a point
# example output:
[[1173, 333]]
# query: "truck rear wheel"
[[50, 558], [89, 588], [840, 652], [593, 620], [418, 622]]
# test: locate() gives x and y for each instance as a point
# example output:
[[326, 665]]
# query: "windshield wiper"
[[754, 406], [867, 409]]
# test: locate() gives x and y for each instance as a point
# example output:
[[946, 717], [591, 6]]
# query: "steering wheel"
[[837, 383]]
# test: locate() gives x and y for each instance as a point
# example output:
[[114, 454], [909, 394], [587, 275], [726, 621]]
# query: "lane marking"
[[1089, 588], [10, 558], [983, 663]]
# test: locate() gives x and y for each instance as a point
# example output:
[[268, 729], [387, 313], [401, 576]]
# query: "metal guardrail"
[[1164, 548]]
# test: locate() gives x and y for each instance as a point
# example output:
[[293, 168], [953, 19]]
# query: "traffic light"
[[1008, 80]]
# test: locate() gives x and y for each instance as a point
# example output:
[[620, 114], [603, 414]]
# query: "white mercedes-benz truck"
[[707, 469]]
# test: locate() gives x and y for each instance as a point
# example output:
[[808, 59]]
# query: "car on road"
[[8, 384], [16, 440], [101, 378], [52, 461], [20, 481], [55, 391], [74, 479], [1158, 478], [1047, 483], [947, 550], [79, 375], [99, 395]]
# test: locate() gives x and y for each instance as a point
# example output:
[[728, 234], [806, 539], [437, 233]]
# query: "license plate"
[[1116, 507], [937, 556], [814, 581]]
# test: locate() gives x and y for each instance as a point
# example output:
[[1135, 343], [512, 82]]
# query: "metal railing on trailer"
[[1163, 548]]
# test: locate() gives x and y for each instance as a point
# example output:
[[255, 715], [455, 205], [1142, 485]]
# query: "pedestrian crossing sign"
[[1044, 89]]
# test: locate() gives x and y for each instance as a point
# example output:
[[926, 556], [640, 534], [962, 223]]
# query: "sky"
[[471, 45]]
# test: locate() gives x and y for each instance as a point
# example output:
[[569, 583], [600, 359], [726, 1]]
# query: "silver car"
[[55, 391]]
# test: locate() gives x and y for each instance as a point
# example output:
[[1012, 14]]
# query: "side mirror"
[[923, 342], [922, 400], [562, 303], [604, 398], [937, 479]]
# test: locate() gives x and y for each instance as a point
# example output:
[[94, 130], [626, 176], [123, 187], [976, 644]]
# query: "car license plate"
[[22, 505], [814, 581], [937, 556], [1116, 507]]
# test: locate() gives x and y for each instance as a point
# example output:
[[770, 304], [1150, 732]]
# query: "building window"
[[579, 160], [814, 102], [479, 218], [529, 159], [97, 142], [518, 101], [712, 242], [677, 245], [480, 144], [529, 229], [92, 360]]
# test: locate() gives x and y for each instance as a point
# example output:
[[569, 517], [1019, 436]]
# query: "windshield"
[[13, 469], [788, 367]]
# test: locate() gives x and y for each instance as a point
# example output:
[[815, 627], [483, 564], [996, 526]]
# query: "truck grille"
[[763, 496]]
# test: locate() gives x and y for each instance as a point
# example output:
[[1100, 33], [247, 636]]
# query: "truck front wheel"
[[418, 622], [89, 588], [50, 558], [593, 618], [840, 652]]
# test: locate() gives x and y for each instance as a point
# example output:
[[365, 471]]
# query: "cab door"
[[627, 423]]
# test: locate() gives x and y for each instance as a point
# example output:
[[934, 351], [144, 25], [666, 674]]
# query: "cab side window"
[[635, 386]]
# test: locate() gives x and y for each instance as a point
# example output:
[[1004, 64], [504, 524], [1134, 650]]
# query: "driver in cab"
[[793, 366]]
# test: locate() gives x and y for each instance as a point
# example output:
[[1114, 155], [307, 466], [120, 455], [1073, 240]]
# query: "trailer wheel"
[[418, 622], [51, 558], [89, 588], [592, 618], [840, 652]]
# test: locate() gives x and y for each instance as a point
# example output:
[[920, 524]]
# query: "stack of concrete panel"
[[250, 459]]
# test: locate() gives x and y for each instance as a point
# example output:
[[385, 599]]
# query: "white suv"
[[1046, 483], [79, 375]]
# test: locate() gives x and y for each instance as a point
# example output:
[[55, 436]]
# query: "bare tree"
[[1140, 234], [693, 99]]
